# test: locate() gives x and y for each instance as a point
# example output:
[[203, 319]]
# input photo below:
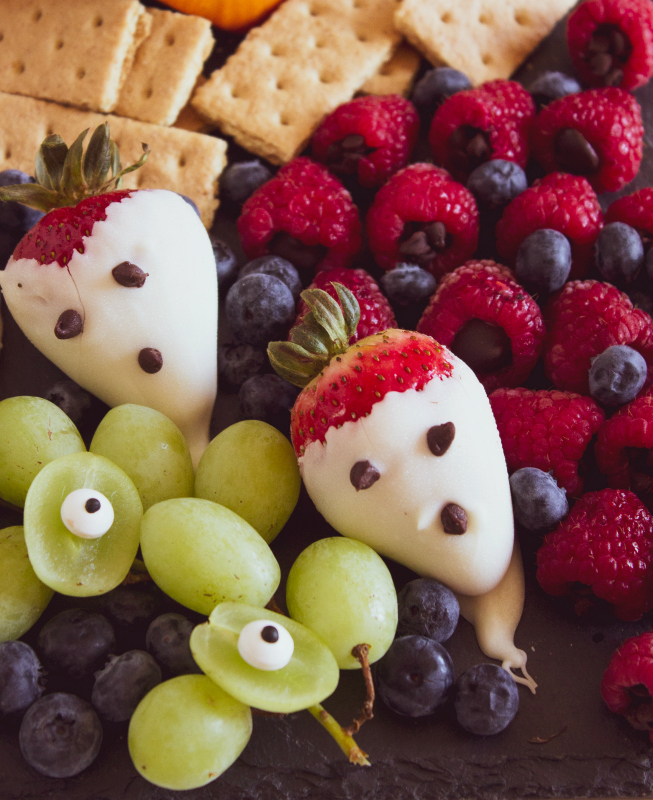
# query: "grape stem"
[[137, 573], [361, 652], [344, 740], [274, 606]]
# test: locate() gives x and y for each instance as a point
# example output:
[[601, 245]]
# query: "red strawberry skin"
[[488, 291], [565, 203], [61, 232], [606, 542], [547, 429], [584, 319], [376, 312], [352, 383]]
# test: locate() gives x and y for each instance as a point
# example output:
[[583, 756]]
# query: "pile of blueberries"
[[416, 675], [64, 690]]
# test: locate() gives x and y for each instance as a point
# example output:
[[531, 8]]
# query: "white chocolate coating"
[[399, 515], [175, 311]]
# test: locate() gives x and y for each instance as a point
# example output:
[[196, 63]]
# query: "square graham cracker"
[[396, 76], [288, 74], [76, 52], [166, 67], [185, 162], [485, 39]]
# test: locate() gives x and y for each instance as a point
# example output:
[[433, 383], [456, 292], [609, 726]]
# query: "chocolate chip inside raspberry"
[[640, 461], [440, 437], [483, 346], [129, 275], [469, 147], [363, 475], [69, 324], [300, 255], [343, 156], [574, 153], [608, 50], [150, 360], [421, 242], [454, 519]]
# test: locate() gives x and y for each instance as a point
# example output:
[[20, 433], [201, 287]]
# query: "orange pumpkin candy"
[[231, 15]]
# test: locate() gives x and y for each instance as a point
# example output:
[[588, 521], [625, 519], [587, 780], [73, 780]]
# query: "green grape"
[[202, 554], [342, 590], [186, 732], [251, 468], [65, 562], [310, 676], [23, 597], [33, 432], [150, 448]]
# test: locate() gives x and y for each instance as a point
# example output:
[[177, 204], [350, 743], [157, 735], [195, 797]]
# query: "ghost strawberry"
[[116, 286]]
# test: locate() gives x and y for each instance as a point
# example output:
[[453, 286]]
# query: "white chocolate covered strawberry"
[[118, 288], [398, 448]]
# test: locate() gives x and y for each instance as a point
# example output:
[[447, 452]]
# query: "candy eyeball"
[[265, 645], [87, 513]]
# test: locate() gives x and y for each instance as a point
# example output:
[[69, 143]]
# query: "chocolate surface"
[[563, 742]]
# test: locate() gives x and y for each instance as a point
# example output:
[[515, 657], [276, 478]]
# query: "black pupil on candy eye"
[[270, 634], [92, 505]]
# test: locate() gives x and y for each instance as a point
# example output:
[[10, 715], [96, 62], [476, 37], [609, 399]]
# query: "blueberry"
[[60, 735], [415, 676], [486, 699], [134, 606], [123, 683], [237, 363], [259, 308], [225, 262], [427, 608], [435, 86], [408, 283], [543, 261], [15, 216], [619, 253], [191, 203], [277, 266], [552, 85], [168, 640], [495, 183], [76, 642], [268, 398], [71, 399], [239, 181], [617, 375], [21, 678], [537, 501]]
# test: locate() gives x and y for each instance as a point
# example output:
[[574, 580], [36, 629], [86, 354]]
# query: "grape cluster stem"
[[344, 741], [361, 653]]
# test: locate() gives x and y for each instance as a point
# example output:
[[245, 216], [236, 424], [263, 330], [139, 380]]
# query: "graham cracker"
[[397, 75], [485, 39], [190, 118], [166, 67], [288, 74], [76, 52], [188, 163]]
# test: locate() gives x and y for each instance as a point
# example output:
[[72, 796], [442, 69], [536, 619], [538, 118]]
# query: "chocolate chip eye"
[[454, 519], [363, 475], [440, 437]]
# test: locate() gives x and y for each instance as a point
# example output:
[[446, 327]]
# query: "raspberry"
[[597, 133], [491, 121], [628, 682], [583, 320], [611, 42], [623, 448], [546, 429], [564, 203], [488, 320], [371, 137], [635, 210], [303, 214], [376, 313], [605, 543], [422, 216]]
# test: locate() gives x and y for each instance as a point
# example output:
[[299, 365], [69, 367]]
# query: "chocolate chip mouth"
[[607, 52], [574, 154], [342, 157], [300, 255], [420, 243], [483, 346], [469, 147]]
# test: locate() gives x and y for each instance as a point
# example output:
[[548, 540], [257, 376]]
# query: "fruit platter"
[[405, 548]]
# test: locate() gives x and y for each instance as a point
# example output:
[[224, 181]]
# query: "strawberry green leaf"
[[97, 158], [293, 363], [351, 311], [53, 153], [328, 315], [30, 194], [312, 337], [72, 179]]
